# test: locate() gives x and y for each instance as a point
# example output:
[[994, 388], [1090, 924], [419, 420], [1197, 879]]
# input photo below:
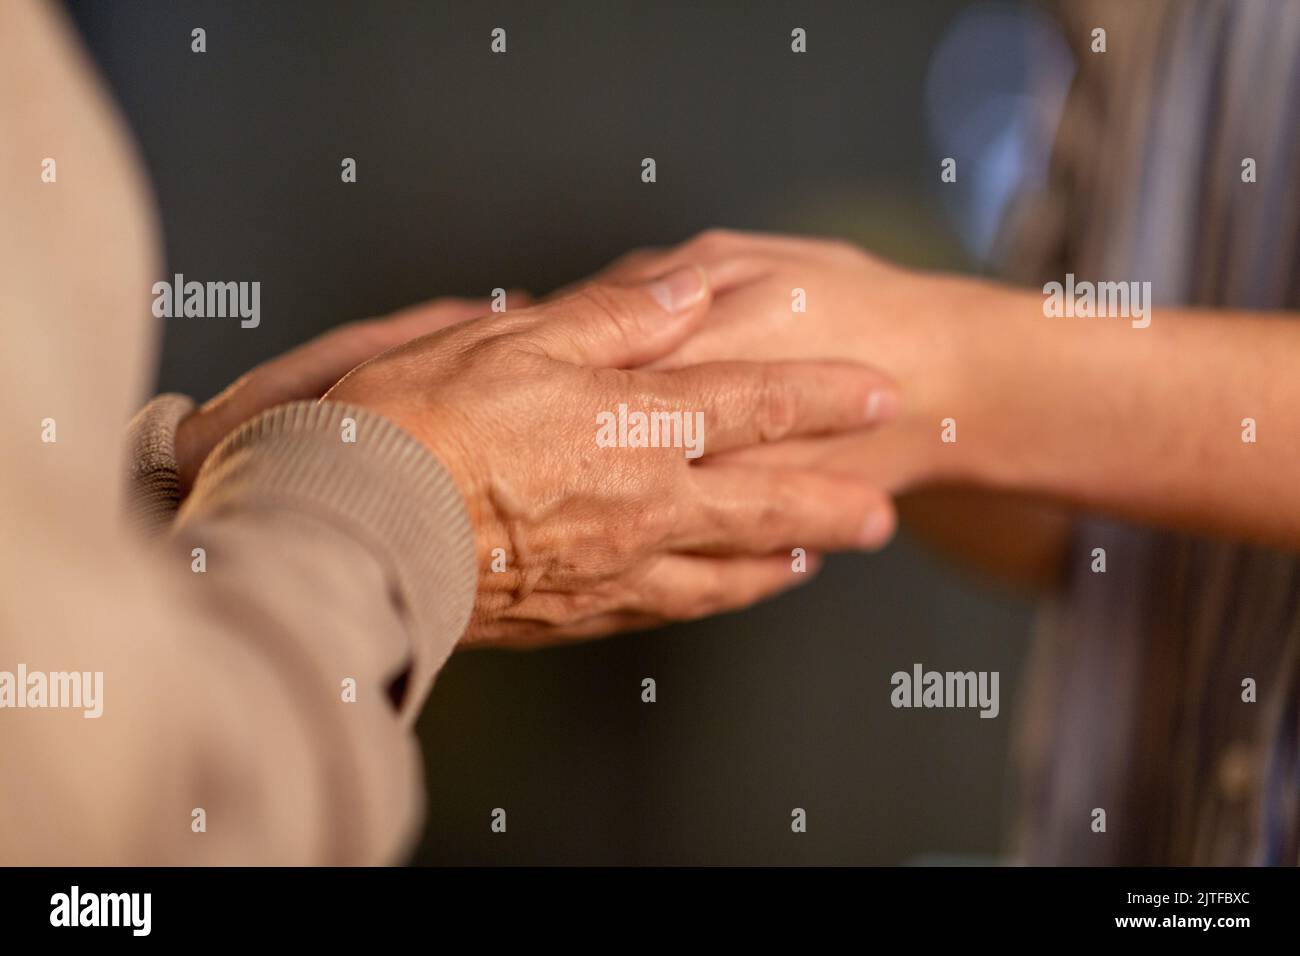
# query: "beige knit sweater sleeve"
[[241, 687], [153, 486]]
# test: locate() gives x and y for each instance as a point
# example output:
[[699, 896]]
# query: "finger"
[[725, 272], [874, 457], [682, 587], [730, 257], [526, 635], [636, 265], [737, 404], [739, 510], [617, 326], [751, 324], [673, 587]]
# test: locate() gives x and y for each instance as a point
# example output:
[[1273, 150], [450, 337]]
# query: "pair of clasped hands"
[[803, 442]]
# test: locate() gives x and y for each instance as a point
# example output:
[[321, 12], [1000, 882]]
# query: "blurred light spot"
[[993, 96]]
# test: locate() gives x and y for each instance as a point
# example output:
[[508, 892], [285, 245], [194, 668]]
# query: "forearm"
[[249, 702], [1143, 423]]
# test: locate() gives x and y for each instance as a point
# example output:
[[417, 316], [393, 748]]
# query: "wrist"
[[440, 432], [974, 337]]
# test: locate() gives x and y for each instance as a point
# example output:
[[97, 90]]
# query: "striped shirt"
[[1136, 683]]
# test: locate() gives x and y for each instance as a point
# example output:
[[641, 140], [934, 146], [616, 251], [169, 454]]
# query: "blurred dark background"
[[478, 170]]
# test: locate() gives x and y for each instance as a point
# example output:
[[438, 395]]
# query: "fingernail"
[[882, 405], [679, 290], [876, 530]]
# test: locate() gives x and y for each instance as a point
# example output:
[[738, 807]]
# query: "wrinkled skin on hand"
[[306, 372], [601, 539]]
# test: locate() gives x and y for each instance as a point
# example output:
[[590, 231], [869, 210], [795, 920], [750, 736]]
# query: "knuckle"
[[689, 608], [777, 410], [782, 501], [644, 529], [492, 349], [776, 516], [578, 605], [605, 304], [708, 601], [709, 595], [618, 544]]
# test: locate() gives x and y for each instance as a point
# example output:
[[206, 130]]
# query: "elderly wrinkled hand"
[[594, 485]]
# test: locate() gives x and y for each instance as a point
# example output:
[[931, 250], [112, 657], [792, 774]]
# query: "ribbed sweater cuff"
[[153, 490], [385, 488]]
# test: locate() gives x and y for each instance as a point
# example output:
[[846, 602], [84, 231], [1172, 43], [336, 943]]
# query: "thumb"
[[622, 326]]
